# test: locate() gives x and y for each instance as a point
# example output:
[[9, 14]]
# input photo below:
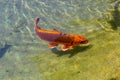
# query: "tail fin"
[[36, 23]]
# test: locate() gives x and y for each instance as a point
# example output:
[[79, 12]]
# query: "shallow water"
[[18, 40]]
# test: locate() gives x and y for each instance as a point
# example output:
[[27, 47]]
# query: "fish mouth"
[[84, 42]]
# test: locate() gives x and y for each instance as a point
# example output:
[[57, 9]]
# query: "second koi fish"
[[55, 37]]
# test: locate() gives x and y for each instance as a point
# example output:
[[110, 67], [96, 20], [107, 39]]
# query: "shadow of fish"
[[72, 52]]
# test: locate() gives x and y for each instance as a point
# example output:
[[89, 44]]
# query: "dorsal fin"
[[56, 30]]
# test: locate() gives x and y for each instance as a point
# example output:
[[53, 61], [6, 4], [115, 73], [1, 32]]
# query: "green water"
[[24, 57]]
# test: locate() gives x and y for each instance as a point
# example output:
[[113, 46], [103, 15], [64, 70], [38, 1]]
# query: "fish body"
[[55, 37]]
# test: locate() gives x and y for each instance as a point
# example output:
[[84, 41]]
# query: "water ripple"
[[18, 17]]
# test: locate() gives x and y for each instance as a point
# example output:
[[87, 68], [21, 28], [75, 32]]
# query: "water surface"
[[18, 40]]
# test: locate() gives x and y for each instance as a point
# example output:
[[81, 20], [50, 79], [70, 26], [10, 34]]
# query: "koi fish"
[[55, 37]]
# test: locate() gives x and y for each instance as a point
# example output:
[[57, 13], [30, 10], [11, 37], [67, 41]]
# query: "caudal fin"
[[36, 23]]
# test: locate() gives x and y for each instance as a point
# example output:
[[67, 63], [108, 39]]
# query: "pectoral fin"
[[53, 45], [66, 47]]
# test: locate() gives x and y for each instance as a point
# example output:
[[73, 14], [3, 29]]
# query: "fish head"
[[83, 40], [80, 40]]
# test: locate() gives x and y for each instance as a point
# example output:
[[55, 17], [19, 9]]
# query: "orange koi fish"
[[55, 37]]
